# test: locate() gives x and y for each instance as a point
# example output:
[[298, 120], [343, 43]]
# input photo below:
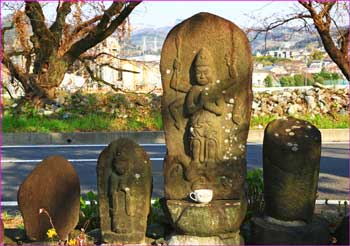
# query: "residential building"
[[259, 76], [277, 70]]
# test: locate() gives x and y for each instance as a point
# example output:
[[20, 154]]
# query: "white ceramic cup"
[[202, 195]]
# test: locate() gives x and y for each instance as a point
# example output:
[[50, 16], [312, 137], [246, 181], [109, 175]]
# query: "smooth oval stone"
[[54, 186]]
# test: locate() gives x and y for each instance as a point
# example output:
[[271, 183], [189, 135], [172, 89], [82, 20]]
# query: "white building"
[[259, 76]]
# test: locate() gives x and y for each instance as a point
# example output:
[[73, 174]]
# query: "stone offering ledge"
[[155, 137]]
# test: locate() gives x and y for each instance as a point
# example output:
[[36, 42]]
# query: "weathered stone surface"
[[215, 218], [206, 69], [265, 232], [224, 239], [124, 181], [291, 164], [52, 185]]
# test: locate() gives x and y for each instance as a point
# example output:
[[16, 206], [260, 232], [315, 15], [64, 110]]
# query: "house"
[[277, 70], [259, 76], [295, 67], [281, 53], [315, 67]]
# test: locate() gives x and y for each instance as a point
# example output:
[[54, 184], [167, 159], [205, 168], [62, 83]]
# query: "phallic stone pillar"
[[206, 70], [291, 164], [124, 180]]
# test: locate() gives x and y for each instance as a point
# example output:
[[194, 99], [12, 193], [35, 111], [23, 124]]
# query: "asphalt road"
[[18, 161]]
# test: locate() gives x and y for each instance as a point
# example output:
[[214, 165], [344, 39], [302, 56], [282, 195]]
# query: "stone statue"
[[291, 161], [206, 70], [291, 164], [206, 107], [124, 187]]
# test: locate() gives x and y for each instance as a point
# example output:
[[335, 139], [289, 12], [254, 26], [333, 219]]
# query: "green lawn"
[[136, 122]]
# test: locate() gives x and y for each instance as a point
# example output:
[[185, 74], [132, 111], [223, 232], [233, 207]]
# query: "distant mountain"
[[150, 40]]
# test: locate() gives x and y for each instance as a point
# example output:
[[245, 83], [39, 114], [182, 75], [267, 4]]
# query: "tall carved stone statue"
[[206, 70], [124, 188]]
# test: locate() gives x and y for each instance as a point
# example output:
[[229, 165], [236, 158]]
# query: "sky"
[[167, 13], [164, 13]]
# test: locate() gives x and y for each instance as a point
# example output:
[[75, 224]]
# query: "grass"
[[42, 124], [320, 121], [135, 122], [115, 112]]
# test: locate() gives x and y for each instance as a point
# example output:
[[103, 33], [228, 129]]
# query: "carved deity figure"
[[119, 196], [124, 189], [204, 104]]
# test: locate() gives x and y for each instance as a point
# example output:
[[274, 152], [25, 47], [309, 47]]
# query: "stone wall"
[[301, 101]]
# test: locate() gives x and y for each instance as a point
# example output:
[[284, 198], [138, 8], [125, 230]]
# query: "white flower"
[[137, 176]]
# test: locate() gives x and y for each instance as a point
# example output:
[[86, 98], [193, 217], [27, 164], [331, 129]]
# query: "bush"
[[268, 81], [89, 216], [255, 192], [299, 80]]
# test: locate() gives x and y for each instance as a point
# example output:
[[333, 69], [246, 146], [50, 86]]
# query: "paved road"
[[17, 162]]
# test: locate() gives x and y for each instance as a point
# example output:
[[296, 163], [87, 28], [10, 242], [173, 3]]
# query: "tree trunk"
[[334, 53], [42, 86]]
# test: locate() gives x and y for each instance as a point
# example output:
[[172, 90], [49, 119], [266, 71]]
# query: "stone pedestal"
[[215, 223], [205, 220], [265, 231], [224, 239]]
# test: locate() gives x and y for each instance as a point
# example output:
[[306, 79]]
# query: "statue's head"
[[127, 157], [204, 67]]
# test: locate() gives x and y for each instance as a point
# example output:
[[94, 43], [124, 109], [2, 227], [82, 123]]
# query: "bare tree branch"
[[15, 70], [118, 69], [86, 24], [57, 26], [102, 30], [98, 79], [37, 19], [92, 57], [320, 13]]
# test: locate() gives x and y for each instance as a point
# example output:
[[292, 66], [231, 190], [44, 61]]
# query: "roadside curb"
[[255, 136]]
